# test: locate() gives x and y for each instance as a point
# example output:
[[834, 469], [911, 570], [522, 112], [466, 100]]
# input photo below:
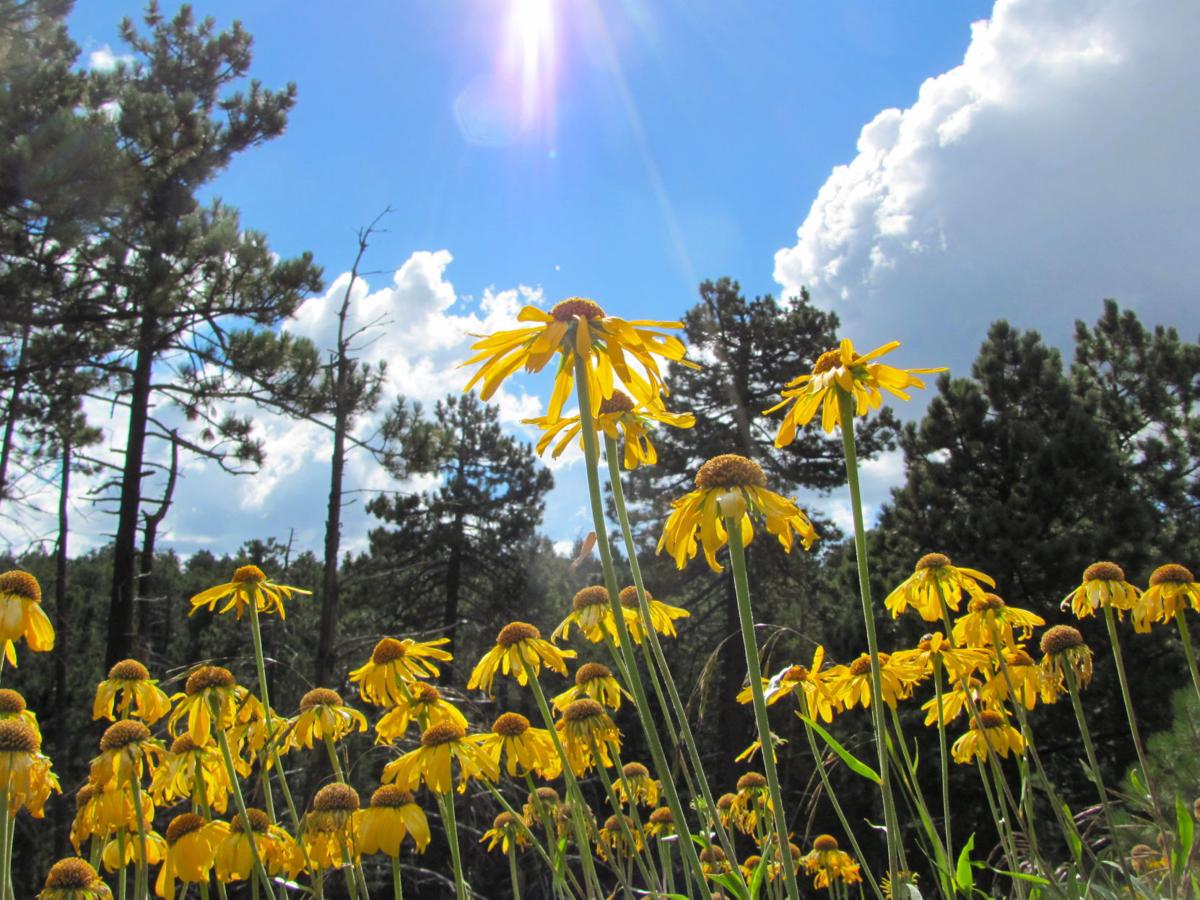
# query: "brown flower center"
[[547, 795], [612, 823], [568, 309], [387, 650], [1059, 639], [933, 561], [861, 666], [629, 597], [183, 744], [581, 710], [129, 670], [594, 595], [661, 816], [725, 801], [1018, 657], [619, 402], [1171, 573], [71, 874], [795, 673], [635, 770], [320, 697], [504, 820], [823, 843], [985, 603], [990, 718], [728, 471], [21, 584], [590, 672], [828, 360], [515, 632], [248, 574], [510, 725], [442, 733], [11, 703], [712, 854], [751, 781], [1103, 571], [183, 824], [17, 736], [258, 821], [391, 796], [336, 797], [84, 795], [207, 677], [121, 734], [427, 693]]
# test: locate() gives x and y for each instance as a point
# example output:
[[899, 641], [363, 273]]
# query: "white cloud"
[[1049, 170], [103, 59]]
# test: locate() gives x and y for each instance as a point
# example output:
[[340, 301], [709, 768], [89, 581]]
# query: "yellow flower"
[[618, 415], [661, 823], [730, 478], [393, 664], [523, 748], [431, 762], [125, 746], [423, 705], [21, 615], [991, 733], [586, 731], [775, 866], [392, 816], [959, 662], [1172, 589], [593, 681], [506, 832], [24, 771], [248, 585], [1024, 674], [99, 813], [852, 684], [12, 706], [186, 769], [988, 612], [191, 852], [113, 859], [636, 786], [591, 613], [330, 834], [205, 683], [1103, 584], [612, 838], [859, 376], [74, 879], [579, 327], [1063, 650], [751, 803], [713, 861], [322, 715], [829, 864], [128, 690], [662, 615], [920, 590], [518, 645], [953, 702], [818, 698], [276, 848]]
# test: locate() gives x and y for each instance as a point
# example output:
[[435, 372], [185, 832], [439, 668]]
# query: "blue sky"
[[922, 168]]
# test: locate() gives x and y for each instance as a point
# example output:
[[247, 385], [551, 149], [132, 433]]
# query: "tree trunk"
[[146, 620], [333, 535], [62, 622], [453, 590], [124, 580], [10, 419]]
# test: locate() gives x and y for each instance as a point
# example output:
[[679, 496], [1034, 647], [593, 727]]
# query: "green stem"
[[5, 828], [1188, 650], [122, 887], [591, 457], [397, 882], [520, 822], [512, 873], [461, 891], [615, 803], [660, 671], [664, 861], [741, 585], [891, 821], [259, 870], [261, 668], [941, 859], [945, 761], [141, 878]]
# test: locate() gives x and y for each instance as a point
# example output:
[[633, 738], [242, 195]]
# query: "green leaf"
[[854, 763], [756, 881], [963, 875], [732, 884], [1023, 876], [1185, 834], [1073, 838]]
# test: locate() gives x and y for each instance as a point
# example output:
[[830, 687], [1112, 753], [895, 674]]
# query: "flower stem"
[[741, 585], [142, 876], [948, 840], [891, 821], [461, 891], [1114, 641], [259, 870], [5, 827], [512, 874], [397, 882], [261, 668], [1188, 650]]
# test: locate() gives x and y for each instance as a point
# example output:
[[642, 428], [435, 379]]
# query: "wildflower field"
[[588, 764]]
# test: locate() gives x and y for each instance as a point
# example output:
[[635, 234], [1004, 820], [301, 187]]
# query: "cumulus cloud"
[[104, 60], [1051, 169]]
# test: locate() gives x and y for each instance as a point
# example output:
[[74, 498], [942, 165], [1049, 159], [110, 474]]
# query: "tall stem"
[[5, 827], [261, 669], [945, 759], [512, 874], [397, 882], [1188, 650], [460, 883], [891, 821], [259, 870], [141, 879], [649, 726]]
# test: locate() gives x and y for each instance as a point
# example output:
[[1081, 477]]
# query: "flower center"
[[259, 822], [986, 603], [1019, 657], [510, 725], [830, 359], [619, 402], [129, 670], [442, 733], [580, 710], [207, 677], [427, 693], [1171, 574], [336, 797], [629, 597], [635, 770], [823, 843], [182, 825], [183, 744], [751, 781], [730, 470], [84, 795], [574, 307], [248, 574], [121, 734], [712, 854], [725, 801], [590, 672], [1059, 639], [11, 703], [990, 718], [391, 796], [320, 697], [661, 816], [387, 650], [504, 820], [861, 666], [21, 584], [546, 795], [795, 673], [17, 736], [933, 561], [595, 595], [612, 823], [69, 874], [515, 632], [1103, 571]]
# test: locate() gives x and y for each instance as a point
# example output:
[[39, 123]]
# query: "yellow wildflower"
[[920, 590], [248, 585], [519, 646], [21, 615], [383, 679]]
